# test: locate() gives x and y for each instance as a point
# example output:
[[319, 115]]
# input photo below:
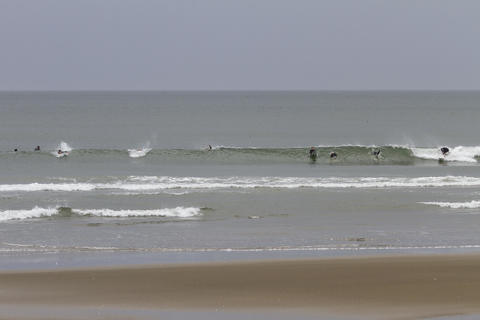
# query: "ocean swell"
[[346, 154]]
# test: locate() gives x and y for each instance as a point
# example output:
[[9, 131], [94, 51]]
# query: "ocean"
[[167, 177]]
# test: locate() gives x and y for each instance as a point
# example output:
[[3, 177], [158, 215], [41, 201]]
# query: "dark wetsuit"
[[444, 150], [333, 155]]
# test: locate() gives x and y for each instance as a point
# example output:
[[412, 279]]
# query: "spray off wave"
[[140, 152], [62, 150]]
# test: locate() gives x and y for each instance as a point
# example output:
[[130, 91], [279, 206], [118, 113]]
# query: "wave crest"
[[346, 154]]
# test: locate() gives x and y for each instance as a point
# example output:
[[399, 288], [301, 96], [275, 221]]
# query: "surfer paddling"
[[333, 155]]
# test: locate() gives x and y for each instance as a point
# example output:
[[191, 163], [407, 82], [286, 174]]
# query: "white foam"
[[173, 193], [141, 151], [37, 212], [292, 182], [60, 155], [208, 183], [31, 187], [460, 153], [179, 212], [138, 153], [143, 178], [474, 204]]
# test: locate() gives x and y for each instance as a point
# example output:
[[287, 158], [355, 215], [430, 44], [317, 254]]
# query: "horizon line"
[[234, 90]]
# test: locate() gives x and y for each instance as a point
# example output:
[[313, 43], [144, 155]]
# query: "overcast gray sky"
[[239, 44]]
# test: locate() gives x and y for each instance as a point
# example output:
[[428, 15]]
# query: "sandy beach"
[[403, 287]]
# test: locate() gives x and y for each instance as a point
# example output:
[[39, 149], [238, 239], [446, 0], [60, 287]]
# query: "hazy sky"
[[239, 45]]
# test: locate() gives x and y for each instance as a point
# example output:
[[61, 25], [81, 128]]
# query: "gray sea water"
[[139, 183]]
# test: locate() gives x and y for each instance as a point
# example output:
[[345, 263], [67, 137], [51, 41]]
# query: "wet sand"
[[403, 287]]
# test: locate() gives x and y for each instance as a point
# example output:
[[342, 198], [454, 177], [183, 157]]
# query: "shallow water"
[[81, 313]]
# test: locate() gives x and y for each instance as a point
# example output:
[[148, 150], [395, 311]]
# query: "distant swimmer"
[[15, 150], [313, 154], [444, 150], [376, 152], [60, 151], [37, 148], [333, 155]]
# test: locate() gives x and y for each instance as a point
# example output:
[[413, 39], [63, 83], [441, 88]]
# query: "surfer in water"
[[37, 148], [376, 153], [60, 151], [445, 151], [333, 155], [209, 147], [313, 154]]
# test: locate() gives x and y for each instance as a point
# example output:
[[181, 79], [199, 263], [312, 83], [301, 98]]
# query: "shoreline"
[[392, 287]]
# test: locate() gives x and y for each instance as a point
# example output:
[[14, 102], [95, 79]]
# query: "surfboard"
[[61, 155]]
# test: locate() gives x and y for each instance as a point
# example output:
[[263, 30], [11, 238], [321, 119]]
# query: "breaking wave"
[[38, 212], [138, 153], [64, 148], [346, 154], [460, 153], [165, 183]]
